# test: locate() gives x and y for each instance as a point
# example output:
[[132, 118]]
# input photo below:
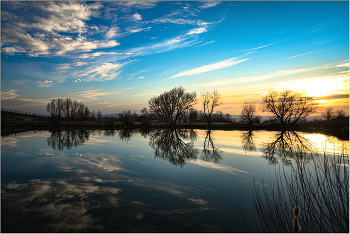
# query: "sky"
[[115, 55]]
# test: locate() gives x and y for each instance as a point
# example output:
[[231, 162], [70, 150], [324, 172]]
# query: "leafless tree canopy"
[[69, 109], [248, 112], [172, 104], [210, 101], [328, 113], [288, 106]]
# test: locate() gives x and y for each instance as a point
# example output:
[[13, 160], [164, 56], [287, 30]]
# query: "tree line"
[[287, 107]]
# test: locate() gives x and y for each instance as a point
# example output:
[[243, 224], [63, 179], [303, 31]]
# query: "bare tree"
[[328, 113], [210, 101], [248, 112], [288, 106], [340, 113], [51, 108], [99, 116], [170, 105], [146, 116]]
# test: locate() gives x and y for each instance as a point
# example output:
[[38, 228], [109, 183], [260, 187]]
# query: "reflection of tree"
[[210, 152], [66, 139], [288, 145], [126, 133], [168, 145], [247, 139], [319, 187]]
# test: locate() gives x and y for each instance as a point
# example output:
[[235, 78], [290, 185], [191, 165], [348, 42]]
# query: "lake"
[[172, 181]]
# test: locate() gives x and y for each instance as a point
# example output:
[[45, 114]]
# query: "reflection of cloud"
[[9, 141], [106, 162], [64, 205], [219, 167]]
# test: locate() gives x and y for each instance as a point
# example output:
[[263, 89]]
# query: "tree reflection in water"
[[169, 145], [247, 139], [210, 152], [317, 183], [66, 139], [288, 146]]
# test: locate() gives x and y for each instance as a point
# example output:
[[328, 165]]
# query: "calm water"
[[141, 181]]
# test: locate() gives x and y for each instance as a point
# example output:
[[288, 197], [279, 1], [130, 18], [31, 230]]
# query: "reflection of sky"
[[108, 184]]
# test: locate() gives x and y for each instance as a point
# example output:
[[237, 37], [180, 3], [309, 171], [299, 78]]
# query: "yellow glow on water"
[[328, 144]]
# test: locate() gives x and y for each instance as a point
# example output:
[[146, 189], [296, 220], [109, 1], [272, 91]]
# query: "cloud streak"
[[210, 67]]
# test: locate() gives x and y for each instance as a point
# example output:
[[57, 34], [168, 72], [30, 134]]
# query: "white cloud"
[[210, 67], [141, 77], [112, 32], [137, 16], [197, 31], [9, 94], [37, 31], [106, 71], [96, 54], [68, 65], [271, 75], [209, 4], [90, 94], [45, 83]]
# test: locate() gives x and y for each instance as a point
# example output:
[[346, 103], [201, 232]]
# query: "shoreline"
[[12, 123]]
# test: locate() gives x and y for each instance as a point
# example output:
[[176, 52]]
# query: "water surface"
[[142, 180]]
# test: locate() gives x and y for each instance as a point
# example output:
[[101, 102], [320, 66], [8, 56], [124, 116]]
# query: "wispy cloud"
[[141, 77], [45, 83], [210, 67], [251, 50], [112, 32], [68, 65], [197, 31], [271, 75], [96, 54], [209, 4], [91, 94], [207, 43], [311, 52], [106, 71], [9, 94]]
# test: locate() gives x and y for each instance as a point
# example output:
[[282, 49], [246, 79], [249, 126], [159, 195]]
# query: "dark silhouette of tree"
[[328, 113], [287, 146], [127, 117], [69, 109], [248, 113], [210, 152], [146, 116], [170, 105], [67, 139], [99, 116], [288, 106], [169, 145], [210, 101], [319, 187], [247, 140], [340, 113], [193, 115]]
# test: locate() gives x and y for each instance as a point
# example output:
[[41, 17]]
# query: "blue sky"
[[114, 56]]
